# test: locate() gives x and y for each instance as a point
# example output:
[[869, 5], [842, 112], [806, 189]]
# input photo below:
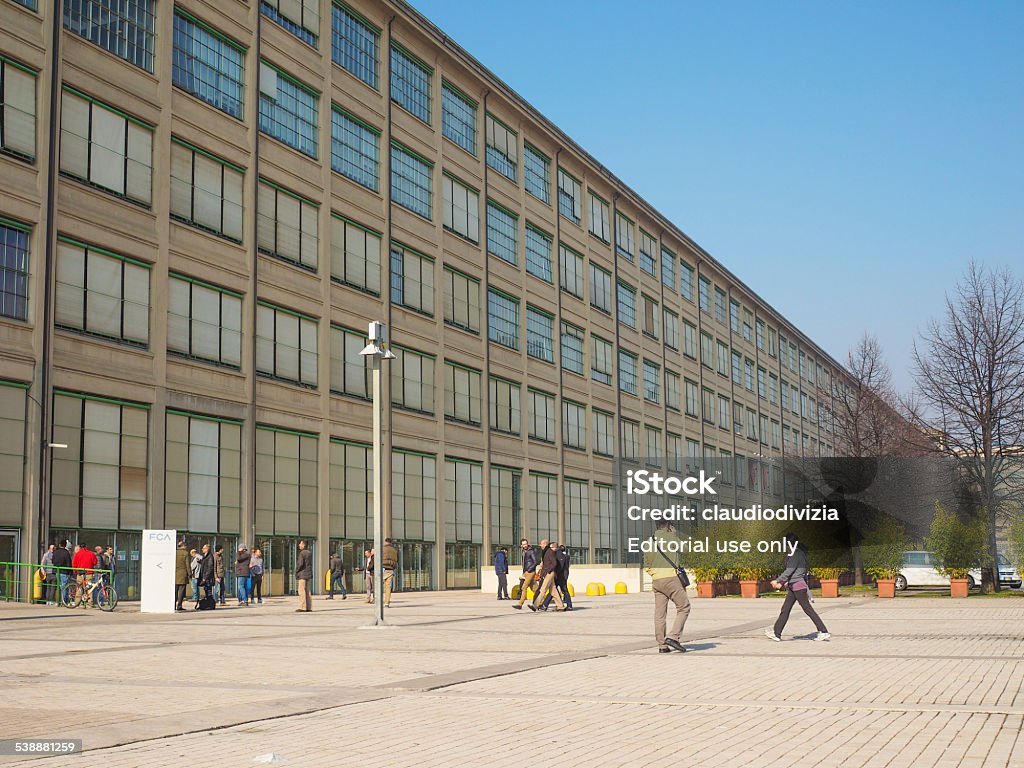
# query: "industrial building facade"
[[204, 204]]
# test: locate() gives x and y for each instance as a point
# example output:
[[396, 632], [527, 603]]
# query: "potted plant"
[[750, 580], [707, 581], [956, 546], [829, 578], [882, 554]]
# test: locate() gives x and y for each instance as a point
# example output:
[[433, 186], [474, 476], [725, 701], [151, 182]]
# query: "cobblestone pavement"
[[463, 680]]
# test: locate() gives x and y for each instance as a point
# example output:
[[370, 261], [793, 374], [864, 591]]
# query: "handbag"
[[684, 579]]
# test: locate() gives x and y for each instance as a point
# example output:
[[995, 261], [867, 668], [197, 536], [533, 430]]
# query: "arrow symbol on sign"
[[159, 565]]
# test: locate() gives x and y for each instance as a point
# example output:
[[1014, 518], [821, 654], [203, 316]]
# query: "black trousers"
[[503, 586], [798, 596], [256, 590], [179, 595]]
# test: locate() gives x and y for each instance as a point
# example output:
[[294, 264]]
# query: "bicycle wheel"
[[108, 598], [75, 595]]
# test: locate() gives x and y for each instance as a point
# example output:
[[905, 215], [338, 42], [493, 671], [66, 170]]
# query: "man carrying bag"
[[669, 582]]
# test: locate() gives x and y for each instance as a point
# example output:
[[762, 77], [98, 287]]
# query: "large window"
[[538, 253], [539, 334], [412, 279], [689, 340], [506, 507], [14, 271], [410, 82], [600, 288], [458, 117], [123, 27], [630, 439], [604, 432], [203, 321], [704, 294], [573, 339], [692, 398], [686, 280], [102, 293], [672, 390], [605, 528], [627, 372], [625, 238], [652, 316], [350, 371], [351, 489], [536, 173], [286, 345], [461, 208], [652, 381], [649, 255], [542, 416], [502, 318], [571, 267], [411, 183], [461, 300], [502, 233], [206, 191], [203, 473], [502, 148], [506, 415], [18, 110], [413, 505], [599, 224], [355, 149], [543, 507], [671, 329], [627, 304], [412, 380], [355, 254], [105, 147], [574, 425], [464, 502], [286, 482], [100, 480], [601, 360], [719, 305], [208, 64], [570, 204], [288, 110], [461, 393], [668, 268], [354, 43], [13, 402], [287, 225], [300, 17]]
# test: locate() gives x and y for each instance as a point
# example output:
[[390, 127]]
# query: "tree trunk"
[[858, 567]]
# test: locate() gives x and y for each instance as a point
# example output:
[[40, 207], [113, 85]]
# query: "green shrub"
[[1016, 535], [883, 548], [956, 545], [828, 573]]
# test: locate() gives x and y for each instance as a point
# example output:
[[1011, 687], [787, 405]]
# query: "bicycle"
[[83, 593]]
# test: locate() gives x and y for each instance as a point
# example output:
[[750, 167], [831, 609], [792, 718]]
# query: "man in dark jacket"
[[337, 576], [242, 574], [62, 564], [303, 575], [181, 575], [206, 571], [529, 570], [547, 573], [501, 570], [389, 561], [561, 578], [219, 572]]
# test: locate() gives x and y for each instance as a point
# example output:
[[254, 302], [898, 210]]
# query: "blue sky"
[[846, 160]]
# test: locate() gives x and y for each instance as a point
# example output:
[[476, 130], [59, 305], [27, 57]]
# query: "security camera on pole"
[[376, 350]]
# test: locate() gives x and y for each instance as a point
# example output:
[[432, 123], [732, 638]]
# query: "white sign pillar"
[[158, 571]]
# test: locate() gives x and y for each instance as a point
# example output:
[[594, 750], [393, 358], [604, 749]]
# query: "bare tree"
[[970, 376]]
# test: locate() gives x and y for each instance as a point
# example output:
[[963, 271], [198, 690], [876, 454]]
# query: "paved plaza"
[[463, 680]]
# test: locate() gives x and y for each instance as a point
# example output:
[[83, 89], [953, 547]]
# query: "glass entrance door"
[[462, 566], [9, 574]]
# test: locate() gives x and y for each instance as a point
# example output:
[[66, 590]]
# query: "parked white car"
[[919, 570]]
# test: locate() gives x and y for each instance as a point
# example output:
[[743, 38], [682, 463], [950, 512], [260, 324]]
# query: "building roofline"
[[557, 133]]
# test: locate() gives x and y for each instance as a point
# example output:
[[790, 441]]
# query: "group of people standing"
[[60, 563], [388, 560], [547, 573], [207, 568]]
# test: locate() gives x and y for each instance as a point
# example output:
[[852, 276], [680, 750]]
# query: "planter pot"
[[706, 589], [750, 588], [958, 587], [887, 587], [830, 587]]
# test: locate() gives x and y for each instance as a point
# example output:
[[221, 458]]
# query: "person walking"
[[303, 575], [662, 566], [794, 580], [62, 566], [242, 574], [561, 578], [219, 572], [195, 562], [256, 571], [206, 572], [389, 562], [49, 574], [529, 570], [548, 566], [368, 573], [181, 575], [337, 576], [501, 571]]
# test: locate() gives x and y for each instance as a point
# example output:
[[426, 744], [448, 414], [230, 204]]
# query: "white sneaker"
[[823, 636], [769, 632]]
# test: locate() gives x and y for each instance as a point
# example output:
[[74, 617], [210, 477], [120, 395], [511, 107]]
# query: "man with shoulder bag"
[[669, 582]]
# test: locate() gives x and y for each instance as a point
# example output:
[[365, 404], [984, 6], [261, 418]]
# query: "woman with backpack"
[[794, 580]]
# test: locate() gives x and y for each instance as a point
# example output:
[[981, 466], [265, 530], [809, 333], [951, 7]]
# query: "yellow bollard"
[[529, 593], [327, 581], [572, 592], [620, 588], [514, 592], [593, 589], [37, 585], [601, 590]]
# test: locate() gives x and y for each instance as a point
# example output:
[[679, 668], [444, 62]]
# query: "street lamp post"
[[377, 351]]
